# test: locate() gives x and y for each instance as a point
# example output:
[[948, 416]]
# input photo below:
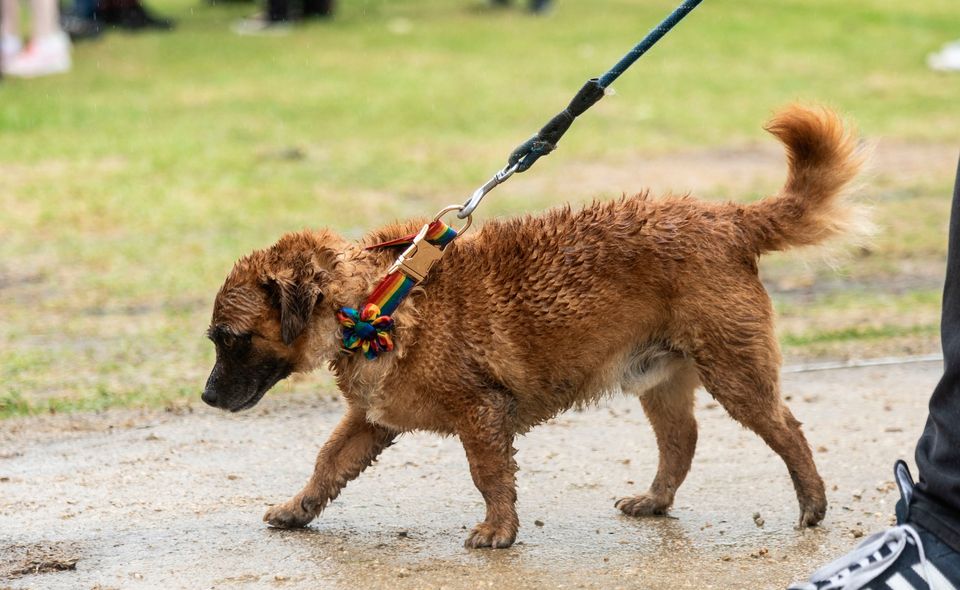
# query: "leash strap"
[[649, 41], [368, 329], [438, 234], [545, 140]]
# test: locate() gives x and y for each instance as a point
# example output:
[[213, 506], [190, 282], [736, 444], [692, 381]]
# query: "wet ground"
[[174, 499]]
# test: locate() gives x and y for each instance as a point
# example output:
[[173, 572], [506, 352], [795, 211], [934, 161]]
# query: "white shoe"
[[9, 47], [260, 25], [947, 59], [42, 57]]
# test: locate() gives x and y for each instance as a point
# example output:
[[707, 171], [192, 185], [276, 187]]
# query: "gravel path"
[[130, 499]]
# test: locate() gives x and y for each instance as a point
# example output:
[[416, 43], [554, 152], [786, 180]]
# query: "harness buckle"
[[417, 260]]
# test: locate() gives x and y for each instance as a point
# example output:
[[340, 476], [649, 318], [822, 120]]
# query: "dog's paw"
[[292, 514], [488, 535], [643, 505], [812, 514]]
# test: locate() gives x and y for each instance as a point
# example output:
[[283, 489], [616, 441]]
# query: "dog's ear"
[[295, 298]]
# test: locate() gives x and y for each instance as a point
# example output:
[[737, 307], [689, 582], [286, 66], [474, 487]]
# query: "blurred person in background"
[[130, 15], [536, 6], [947, 59], [80, 22], [48, 51], [89, 18], [280, 14]]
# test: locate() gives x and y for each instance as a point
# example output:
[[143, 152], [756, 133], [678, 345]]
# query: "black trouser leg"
[[936, 506], [278, 10], [318, 8]]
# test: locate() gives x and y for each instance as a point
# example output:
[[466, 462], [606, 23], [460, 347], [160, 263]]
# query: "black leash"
[[545, 141]]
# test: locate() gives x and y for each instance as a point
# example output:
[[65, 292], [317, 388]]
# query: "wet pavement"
[[174, 500]]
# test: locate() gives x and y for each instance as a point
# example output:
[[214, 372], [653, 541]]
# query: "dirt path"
[[160, 500]]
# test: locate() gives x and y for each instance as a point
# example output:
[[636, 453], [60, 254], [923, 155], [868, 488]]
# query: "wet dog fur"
[[530, 316]]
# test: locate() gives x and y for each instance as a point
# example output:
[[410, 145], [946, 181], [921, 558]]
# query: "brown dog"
[[528, 317]]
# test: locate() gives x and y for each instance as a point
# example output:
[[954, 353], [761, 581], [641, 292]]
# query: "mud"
[[174, 499]]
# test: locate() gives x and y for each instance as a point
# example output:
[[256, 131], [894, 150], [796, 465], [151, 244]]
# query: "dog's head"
[[274, 315]]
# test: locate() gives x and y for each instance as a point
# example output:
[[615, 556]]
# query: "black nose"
[[209, 397]]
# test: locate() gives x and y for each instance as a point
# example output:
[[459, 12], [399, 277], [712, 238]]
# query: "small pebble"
[[538, 523]]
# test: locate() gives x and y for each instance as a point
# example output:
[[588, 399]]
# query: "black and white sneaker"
[[905, 557]]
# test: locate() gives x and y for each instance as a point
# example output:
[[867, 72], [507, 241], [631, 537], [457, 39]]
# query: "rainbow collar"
[[368, 329]]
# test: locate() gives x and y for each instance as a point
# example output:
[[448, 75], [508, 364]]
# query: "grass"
[[129, 186]]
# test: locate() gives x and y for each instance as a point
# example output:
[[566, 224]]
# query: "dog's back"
[[609, 287]]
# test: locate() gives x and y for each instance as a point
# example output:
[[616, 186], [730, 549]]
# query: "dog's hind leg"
[[487, 437], [669, 407], [744, 378], [352, 447]]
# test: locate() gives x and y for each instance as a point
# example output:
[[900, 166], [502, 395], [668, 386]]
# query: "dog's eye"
[[228, 340]]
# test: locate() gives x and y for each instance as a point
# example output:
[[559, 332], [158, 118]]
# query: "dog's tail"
[[823, 159]]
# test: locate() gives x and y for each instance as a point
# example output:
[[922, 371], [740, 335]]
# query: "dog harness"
[[368, 329]]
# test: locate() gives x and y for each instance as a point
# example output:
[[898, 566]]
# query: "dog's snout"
[[209, 397], [210, 394]]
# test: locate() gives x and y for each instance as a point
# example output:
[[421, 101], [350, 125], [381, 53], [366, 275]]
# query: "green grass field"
[[129, 186]]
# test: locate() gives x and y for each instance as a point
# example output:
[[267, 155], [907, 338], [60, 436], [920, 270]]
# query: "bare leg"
[[488, 441], [46, 18], [11, 18], [354, 445], [669, 407]]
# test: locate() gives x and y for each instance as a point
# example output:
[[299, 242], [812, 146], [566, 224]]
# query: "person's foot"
[[540, 6], [260, 24], [947, 59], [904, 557], [9, 47], [138, 18], [80, 28], [43, 57]]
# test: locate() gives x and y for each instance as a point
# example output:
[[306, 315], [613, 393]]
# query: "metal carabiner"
[[481, 192], [450, 208]]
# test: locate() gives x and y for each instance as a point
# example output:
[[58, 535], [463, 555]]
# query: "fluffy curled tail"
[[823, 159]]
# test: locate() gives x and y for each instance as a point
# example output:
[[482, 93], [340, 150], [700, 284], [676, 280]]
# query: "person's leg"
[[49, 49], [278, 10], [81, 21], [45, 18], [923, 551], [11, 18], [86, 9], [936, 505], [10, 40], [318, 8], [540, 6], [274, 21]]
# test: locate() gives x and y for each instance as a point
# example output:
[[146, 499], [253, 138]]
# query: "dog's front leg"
[[487, 438], [354, 445]]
